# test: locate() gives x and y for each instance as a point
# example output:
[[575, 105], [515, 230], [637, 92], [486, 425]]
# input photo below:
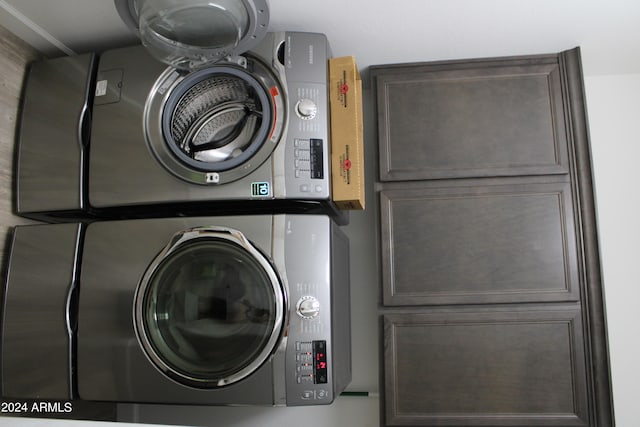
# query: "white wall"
[[613, 104], [382, 31]]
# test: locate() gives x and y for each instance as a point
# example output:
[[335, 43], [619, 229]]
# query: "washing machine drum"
[[215, 125], [217, 119], [209, 310]]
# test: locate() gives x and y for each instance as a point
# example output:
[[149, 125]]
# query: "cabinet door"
[[518, 367], [471, 119], [492, 292], [478, 243]]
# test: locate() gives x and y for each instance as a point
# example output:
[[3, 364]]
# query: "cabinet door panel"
[[476, 121], [518, 367], [484, 244]]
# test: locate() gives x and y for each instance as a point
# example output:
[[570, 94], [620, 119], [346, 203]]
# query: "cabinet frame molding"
[[592, 296]]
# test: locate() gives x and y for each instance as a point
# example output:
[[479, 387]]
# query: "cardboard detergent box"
[[347, 146]]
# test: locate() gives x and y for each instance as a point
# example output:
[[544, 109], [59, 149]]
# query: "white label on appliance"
[[101, 87], [260, 189]]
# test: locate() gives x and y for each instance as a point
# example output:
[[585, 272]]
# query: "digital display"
[[320, 371], [316, 159]]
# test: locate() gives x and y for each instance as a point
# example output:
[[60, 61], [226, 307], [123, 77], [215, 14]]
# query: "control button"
[[308, 307], [304, 188], [322, 394], [318, 188], [307, 395], [301, 143], [304, 367], [306, 109], [305, 379]]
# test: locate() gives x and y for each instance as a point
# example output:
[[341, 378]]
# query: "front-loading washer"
[[182, 124], [250, 310], [251, 127]]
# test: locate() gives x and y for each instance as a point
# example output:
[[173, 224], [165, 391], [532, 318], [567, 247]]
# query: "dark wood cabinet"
[[488, 366], [478, 243], [473, 118], [492, 311]]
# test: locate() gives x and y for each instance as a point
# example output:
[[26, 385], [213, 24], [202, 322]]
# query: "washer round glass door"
[[191, 34], [209, 311]]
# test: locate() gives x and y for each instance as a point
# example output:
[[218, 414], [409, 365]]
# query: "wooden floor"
[[14, 56]]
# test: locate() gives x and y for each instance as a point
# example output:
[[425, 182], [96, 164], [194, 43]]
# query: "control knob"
[[306, 109], [308, 307]]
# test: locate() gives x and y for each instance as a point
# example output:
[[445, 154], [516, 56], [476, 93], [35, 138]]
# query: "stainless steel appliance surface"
[[250, 127], [53, 136], [166, 141], [242, 310], [39, 291]]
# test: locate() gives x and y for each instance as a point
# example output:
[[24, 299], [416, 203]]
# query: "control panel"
[[307, 154], [311, 362], [309, 158], [309, 359], [302, 159], [309, 355]]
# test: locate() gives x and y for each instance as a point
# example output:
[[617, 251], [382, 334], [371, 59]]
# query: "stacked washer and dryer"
[[193, 254]]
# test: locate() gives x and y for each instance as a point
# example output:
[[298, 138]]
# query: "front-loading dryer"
[[243, 310]]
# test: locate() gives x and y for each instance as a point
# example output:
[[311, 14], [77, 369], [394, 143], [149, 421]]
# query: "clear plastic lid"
[[195, 33]]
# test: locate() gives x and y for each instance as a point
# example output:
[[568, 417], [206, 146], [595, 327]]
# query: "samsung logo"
[[288, 54]]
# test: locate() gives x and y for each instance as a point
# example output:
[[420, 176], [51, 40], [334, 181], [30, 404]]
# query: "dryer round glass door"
[[210, 309], [215, 125]]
